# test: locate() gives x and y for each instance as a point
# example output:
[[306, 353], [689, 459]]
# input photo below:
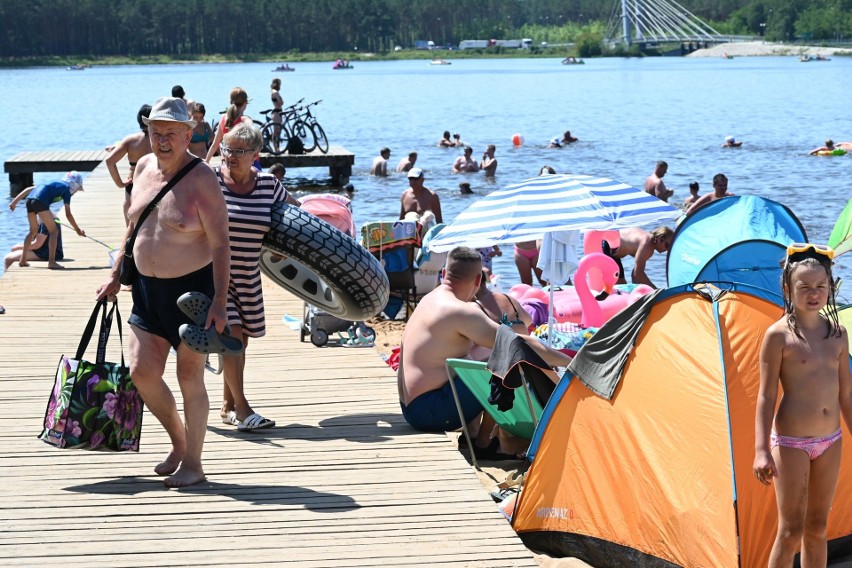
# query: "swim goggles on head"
[[800, 251]]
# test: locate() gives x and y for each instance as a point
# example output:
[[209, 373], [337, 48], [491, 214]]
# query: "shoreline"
[[764, 49], [736, 49]]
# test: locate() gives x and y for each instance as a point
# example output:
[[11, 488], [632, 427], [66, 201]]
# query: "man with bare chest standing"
[[182, 246], [418, 198]]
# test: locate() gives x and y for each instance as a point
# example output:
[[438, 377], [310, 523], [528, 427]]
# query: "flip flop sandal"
[[203, 340], [255, 422], [195, 306], [231, 419]]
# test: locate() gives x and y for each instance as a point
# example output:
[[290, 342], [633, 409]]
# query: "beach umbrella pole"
[[550, 319]]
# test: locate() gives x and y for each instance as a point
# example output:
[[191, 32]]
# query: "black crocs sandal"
[[203, 340], [195, 306]]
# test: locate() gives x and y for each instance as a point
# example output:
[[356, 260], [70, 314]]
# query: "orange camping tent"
[[661, 473]]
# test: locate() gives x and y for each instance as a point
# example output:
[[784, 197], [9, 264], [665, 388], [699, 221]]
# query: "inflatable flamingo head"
[[604, 266], [601, 273]]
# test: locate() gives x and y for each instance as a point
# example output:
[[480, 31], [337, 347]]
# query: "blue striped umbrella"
[[528, 210]]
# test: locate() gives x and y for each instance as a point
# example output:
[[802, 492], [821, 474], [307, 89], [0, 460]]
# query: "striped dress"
[[249, 219]]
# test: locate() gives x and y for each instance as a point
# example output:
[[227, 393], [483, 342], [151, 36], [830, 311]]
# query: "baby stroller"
[[317, 324]]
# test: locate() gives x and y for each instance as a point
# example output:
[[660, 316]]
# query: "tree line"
[[186, 28]]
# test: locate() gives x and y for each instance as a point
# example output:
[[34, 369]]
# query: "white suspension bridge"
[[644, 22]]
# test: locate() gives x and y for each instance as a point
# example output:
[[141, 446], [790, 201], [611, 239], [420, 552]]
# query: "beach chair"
[[521, 420], [395, 244], [429, 263]]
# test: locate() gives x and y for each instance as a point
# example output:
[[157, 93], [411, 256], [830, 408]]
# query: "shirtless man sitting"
[[447, 324], [182, 246], [465, 163], [641, 245], [720, 190], [654, 183], [418, 198]]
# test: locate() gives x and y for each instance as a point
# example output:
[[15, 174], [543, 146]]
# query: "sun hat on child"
[[75, 180], [170, 109], [729, 139]]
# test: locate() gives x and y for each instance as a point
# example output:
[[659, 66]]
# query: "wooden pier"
[[339, 162], [21, 167], [341, 480]]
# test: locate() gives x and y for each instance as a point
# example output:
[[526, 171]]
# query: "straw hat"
[[170, 109]]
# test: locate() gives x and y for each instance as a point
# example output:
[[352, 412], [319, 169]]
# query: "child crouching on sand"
[[807, 353]]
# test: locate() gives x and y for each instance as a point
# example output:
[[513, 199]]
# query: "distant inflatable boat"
[[283, 68], [440, 62], [573, 61]]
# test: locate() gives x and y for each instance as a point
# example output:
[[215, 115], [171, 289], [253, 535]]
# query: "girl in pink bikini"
[[807, 353]]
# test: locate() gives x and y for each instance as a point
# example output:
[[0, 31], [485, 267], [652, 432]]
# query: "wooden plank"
[[54, 161], [342, 480]]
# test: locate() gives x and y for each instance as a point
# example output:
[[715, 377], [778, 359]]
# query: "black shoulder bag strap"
[[168, 187]]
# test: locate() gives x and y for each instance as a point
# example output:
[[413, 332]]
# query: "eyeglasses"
[[799, 251], [236, 152]]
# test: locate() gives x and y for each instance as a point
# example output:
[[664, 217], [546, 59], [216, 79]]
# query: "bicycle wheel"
[[274, 143], [306, 135], [320, 137]]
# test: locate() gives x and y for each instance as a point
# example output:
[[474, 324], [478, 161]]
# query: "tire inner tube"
[[322, 265]]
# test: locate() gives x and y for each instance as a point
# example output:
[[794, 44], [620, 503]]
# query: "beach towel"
[[600, 361], [511, 357]]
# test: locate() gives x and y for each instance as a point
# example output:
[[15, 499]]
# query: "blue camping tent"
[[735, 239]]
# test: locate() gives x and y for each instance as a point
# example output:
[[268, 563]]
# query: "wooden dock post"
[[338, 160]]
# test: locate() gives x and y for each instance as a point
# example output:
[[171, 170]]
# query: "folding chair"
[[521, 420], [395, 244]]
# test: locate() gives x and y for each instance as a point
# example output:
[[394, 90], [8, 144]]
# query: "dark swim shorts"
[[435, 411], [128, 188], [36, 206], [155, 302]]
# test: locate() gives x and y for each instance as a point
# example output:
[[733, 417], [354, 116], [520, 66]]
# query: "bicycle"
[[276, 135], [318, 138]]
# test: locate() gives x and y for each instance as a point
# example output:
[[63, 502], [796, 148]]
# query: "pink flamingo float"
[[577, 304]]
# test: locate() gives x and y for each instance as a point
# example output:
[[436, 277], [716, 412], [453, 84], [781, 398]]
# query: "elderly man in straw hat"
[[182, 246]]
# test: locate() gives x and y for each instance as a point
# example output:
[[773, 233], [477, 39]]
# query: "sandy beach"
[[759, 48]]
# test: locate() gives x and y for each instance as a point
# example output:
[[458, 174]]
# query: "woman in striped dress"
[[250, 196]]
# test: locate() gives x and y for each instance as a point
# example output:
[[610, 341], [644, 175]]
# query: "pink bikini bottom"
[[814, 447], [527, 253]]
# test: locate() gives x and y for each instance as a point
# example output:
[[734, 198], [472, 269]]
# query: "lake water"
[[627, 113]]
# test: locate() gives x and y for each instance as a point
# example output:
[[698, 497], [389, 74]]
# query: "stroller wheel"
[[319, 337], [368, 333]]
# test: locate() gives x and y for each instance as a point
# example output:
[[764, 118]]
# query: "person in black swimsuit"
[[134, 146]]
